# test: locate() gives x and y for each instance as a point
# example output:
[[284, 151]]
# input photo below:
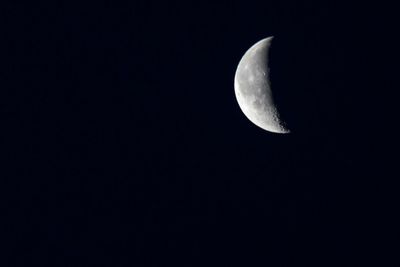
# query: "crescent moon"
[[253, 88]]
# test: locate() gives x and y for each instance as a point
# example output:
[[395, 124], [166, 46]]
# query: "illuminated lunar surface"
[[253, 88]]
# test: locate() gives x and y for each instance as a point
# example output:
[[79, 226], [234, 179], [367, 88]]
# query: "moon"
[[253, 89]]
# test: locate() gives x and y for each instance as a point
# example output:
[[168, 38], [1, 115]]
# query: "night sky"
[[128, 148]]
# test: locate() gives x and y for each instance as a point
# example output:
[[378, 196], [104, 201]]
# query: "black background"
[[125, 145]]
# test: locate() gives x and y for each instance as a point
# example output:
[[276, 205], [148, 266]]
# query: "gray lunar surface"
[[253, 89]]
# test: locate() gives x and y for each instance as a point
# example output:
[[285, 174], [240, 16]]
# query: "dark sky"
[[127, 146]]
